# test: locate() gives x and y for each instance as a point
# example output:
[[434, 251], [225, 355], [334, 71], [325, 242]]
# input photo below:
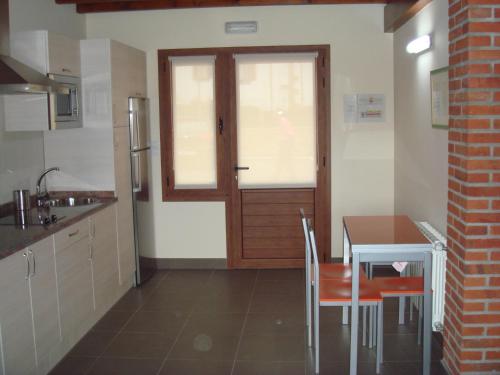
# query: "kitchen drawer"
[[71, 234]]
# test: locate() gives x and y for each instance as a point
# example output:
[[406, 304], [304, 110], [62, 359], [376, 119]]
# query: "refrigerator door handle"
[[134, 129], [136, 173], [138, 133]]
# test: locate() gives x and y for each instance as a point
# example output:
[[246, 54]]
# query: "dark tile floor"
[[230, 322]]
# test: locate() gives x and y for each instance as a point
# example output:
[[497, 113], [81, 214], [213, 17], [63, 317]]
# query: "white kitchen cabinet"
[[47, 52], [53, 291], [125, 227], [45, 304], [29, 312], [16, 325], [104, 258], [111, 73], [128, 78], [74, 281]]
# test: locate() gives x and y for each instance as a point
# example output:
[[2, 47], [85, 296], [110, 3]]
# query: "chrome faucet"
[[42, 197]]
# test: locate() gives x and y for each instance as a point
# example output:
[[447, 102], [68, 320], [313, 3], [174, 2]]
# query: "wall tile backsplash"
[[21, 160]]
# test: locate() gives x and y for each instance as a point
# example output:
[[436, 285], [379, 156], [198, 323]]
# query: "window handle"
[[221, 125], [238, 168]]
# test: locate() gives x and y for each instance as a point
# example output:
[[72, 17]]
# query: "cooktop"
[[36, 216]]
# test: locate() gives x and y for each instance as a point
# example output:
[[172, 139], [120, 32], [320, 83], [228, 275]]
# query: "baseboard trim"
[[336, 260], [190, 264]]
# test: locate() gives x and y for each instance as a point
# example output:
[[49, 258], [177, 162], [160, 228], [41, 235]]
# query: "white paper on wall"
[[362, 108], [371, 108]]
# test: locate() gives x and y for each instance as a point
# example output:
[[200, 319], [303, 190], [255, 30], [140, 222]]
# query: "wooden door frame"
[[227, 155], [322, 197]]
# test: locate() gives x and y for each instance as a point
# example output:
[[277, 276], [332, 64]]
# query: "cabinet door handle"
[[74, 233], [30, 253], [66, 70], [27, 265], [91, 251]]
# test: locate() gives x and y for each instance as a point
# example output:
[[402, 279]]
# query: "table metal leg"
[[402, 302], [380, 335], [370, 336], [345, 315], [354, 314], [374, 326], [365, 327], [427, 329]]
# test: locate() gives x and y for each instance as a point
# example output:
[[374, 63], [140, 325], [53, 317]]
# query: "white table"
[[387, 239]]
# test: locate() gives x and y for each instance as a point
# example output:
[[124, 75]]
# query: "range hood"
[[16, 77]]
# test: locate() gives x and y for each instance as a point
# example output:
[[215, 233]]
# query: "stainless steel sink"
[[71, 201]]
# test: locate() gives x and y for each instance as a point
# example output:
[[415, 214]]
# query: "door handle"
[[221, 125], [30, 253], [238, 168], [26, 255]]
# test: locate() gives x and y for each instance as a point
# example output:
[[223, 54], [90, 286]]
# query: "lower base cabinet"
[[52, 292], [45, 306], [16, 325], [74, 281], [104, 259]]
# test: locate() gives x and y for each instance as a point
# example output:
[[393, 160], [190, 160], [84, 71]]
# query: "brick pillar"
[[472, 315]]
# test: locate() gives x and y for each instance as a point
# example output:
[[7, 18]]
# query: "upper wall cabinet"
[[47, 52], [111, 73]]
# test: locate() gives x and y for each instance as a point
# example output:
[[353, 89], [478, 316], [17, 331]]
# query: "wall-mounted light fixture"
[[419, 44], [241, 27]]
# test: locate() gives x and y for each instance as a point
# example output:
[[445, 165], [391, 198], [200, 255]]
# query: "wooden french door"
[[262, 203], [264, 230]]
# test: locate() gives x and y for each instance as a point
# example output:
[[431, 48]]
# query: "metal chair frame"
[[318, 303]]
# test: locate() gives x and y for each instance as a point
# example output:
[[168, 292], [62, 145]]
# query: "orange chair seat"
[[399, 285], [329, 271], [340, 291]]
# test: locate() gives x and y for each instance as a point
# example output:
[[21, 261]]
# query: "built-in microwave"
[[64, 105]]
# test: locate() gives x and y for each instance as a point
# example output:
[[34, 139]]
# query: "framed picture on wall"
[[439, 98]]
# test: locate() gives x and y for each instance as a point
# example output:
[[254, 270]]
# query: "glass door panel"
[[276, 120], [194, 132]]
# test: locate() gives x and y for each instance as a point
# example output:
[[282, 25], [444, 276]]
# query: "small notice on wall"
[[439, 98], [364, 108]]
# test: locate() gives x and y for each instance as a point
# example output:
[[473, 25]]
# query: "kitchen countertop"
[[14, 239]]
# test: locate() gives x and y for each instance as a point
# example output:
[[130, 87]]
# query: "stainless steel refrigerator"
[[140, 173]]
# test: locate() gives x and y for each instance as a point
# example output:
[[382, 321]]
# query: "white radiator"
[[438, 272]]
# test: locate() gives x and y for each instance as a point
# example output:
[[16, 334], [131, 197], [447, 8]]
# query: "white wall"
[[22, 153], [421, 152], [362, 61], [46, 15]]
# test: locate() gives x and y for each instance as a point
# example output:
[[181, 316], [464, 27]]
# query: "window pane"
[[276, 104], [193, 96]]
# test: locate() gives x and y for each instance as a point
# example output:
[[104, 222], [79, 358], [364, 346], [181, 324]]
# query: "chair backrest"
[[307, 258], [311, 251], [305, 227], [314, 253]]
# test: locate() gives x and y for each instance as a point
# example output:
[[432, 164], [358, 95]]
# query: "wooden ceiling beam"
[[93, 6], [397, 13]]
